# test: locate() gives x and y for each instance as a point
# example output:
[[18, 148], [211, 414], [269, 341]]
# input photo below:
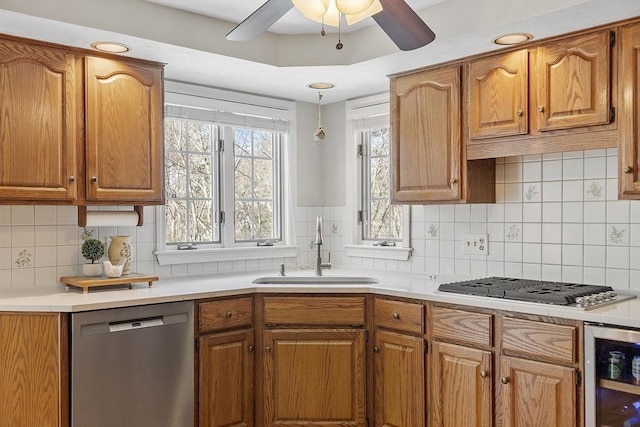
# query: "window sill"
[[382, 252], [169, 257]]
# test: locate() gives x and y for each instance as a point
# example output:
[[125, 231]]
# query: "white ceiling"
[[283, 61]]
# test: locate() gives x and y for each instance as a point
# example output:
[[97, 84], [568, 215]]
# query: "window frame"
[[193, 96], [373, 109]]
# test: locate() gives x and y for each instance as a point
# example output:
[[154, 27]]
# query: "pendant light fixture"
[[319, 134]]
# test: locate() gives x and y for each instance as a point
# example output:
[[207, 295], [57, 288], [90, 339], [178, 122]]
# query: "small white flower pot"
[[92, 269]]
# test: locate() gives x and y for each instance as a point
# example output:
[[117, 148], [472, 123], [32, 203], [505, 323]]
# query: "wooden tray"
[[85, 282]]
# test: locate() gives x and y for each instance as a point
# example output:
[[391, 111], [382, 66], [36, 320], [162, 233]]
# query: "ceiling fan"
[[403, 26]]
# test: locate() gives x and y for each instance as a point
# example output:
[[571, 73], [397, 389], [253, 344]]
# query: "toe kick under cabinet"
[[79, 127]]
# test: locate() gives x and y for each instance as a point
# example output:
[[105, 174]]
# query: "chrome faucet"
[[318, 242]]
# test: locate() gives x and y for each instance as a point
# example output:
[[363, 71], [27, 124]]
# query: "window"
[[380, 219], [379, 229], [224, 176]]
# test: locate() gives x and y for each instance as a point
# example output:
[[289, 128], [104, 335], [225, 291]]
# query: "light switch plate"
[[475, 244]]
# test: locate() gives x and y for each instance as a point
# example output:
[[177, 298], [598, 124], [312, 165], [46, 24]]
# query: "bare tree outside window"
[[381, 219]]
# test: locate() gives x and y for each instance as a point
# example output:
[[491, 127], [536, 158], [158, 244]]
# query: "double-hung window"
[[224, 178]]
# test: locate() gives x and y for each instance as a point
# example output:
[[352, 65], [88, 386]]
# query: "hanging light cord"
[[339, 45], [319, 110]]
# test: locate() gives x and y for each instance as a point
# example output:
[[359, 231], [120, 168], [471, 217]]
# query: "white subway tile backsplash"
[[618, 211], [551, 233], [532, 253], [595, 234], [552, 191], [551, 170], [532, 171], [572, 255], [595, 256], [572, 168], [618, 257], [552, 212], [573, 212], [595, 212], [595, 167], [551, 253], [552, 272], [573, 191]]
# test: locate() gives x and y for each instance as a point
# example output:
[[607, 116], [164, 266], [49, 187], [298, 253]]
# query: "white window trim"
[[355, 247], [246, 104]]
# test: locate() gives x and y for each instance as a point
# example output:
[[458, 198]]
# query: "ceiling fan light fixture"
[[370, 11], [353, 7], [312, 9]]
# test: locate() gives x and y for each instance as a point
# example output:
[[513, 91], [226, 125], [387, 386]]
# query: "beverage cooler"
[[612, 376]]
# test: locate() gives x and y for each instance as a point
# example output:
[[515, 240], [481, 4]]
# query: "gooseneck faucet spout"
[[318, 243]]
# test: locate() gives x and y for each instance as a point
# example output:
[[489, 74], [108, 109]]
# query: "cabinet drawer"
[[225, 314], [314, 310], [539, 339], [459, 325], [400, 316]]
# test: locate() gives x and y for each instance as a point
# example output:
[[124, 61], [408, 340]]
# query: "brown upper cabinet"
[[426, 123], [40, 122], [629, 87], [543, 98], [79, 129]]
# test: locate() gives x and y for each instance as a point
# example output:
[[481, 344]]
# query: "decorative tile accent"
[[594, 190], [514, 233], [433, 231], [532, 193], [335, 228], [617, 235], [24, 259]]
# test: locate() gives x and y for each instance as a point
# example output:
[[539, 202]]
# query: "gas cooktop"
[[557, 293]]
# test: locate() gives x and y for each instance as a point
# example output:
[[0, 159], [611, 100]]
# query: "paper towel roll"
[[112, 218]]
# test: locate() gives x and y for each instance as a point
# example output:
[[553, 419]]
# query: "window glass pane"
[[381, 220], [190, 171], [200, 221], [256, 192], [176, 220]]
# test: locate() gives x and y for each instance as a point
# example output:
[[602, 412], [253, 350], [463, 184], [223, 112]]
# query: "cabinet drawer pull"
[[376, 350], [94, 179], [72, 178], [483, 374], [396, 316], [267, 349], [504, 380], [251, 348], [519, 113], [453, 180], [229, 315], [541, 109], [628, 169]]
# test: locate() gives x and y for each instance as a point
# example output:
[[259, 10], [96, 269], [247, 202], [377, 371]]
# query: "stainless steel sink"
[[314, 280]]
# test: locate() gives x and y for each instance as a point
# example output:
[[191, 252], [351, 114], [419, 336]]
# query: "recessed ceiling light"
[[111, 47], [321, 85], [513, 38]]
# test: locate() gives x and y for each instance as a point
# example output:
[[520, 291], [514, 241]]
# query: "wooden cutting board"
[[90, 282]]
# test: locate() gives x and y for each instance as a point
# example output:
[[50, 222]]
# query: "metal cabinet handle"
[[541, 109], [483, 374], [396, 316], [72, 178], [94, 179], [267, 349], [519, 113], [251, 348], [229, 315], [504, 380], [376, 350], [628, 169], [453, 180]]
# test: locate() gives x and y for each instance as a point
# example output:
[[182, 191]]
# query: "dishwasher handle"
[[128, 325], [132, 324]]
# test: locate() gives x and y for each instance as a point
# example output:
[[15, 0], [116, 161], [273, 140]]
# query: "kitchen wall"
[[557, 217]]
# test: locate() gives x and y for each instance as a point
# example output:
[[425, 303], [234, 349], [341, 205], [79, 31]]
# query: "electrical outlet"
[[475, 244]]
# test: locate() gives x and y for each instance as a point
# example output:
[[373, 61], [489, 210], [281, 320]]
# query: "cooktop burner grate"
[[525, 290]]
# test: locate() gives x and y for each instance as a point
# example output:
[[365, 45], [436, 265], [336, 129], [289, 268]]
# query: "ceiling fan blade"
[[260, 20], [407, 30]]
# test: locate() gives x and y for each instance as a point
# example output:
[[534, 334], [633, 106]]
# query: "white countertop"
[[58, 299]]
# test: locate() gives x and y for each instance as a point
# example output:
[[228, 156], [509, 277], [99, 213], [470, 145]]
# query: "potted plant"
[[93, 250]]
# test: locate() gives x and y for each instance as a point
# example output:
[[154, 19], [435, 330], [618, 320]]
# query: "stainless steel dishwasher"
[[133, 367]]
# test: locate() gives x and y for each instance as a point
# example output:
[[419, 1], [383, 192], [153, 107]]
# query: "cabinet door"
[[314, 377], [498, 95], [537, 394], [461, 386], [38, 123], [33, 370], [426, 133], [399, 380], [124, 133], [226, 369], [574, 82], [629, 86]]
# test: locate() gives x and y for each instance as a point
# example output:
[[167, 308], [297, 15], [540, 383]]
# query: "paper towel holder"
[[82, 215]]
